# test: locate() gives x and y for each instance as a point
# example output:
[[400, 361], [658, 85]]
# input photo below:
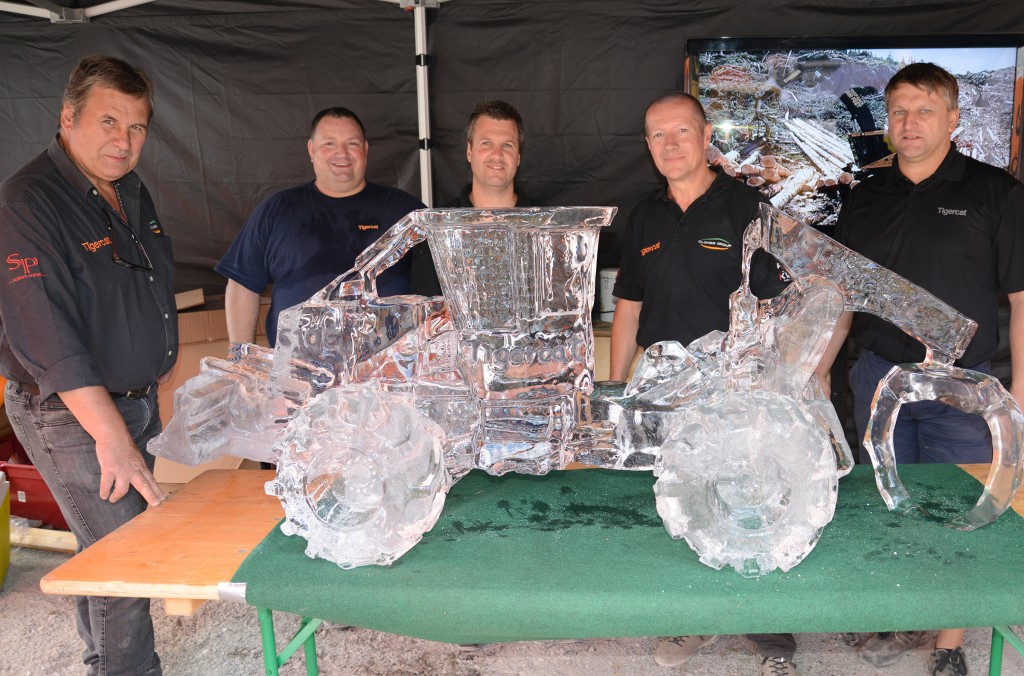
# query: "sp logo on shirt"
[[22, 266]]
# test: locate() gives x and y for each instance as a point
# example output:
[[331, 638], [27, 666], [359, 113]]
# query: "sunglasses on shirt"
[[146, 263]]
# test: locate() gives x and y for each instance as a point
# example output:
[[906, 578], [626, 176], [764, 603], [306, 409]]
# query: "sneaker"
[[881, 650], [673, 651], [948, 662], [778, 666]]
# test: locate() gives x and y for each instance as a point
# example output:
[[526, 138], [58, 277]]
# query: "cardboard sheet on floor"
[[583, 554]]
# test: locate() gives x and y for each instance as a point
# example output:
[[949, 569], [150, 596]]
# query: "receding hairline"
[[678, 97]]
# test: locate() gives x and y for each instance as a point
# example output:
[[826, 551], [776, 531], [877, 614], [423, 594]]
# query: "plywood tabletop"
[[980, 472], [180, 550]]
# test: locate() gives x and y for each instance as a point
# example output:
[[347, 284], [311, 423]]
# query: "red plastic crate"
[[11, 450], [31, 497]]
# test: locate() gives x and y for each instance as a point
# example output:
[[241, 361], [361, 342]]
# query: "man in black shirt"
[[494, 140], [681, 260], [88, 329], [955, 227]]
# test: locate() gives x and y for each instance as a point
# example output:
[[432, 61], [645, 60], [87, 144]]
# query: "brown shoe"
[[675, 650]]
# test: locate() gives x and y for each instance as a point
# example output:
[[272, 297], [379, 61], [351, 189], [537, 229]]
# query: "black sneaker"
[[948, 662]]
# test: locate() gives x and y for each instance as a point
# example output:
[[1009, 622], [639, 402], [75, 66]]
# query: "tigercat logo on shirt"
[[23, 267], [943, 211], [373, 226], [94, 246], [648, 249], [715, 243]]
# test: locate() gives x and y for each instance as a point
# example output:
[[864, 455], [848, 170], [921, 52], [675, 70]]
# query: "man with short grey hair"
[[88, 329]]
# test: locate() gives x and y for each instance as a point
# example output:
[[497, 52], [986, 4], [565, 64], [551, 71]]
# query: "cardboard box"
[[202, 333]]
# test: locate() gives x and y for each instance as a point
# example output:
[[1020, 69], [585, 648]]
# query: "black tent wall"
[[238, 83]]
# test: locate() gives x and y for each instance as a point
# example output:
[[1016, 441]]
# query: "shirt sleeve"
[[1009, 242], [41, 321], [246, 259]]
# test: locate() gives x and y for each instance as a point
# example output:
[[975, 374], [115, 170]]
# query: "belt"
[[141, 393]]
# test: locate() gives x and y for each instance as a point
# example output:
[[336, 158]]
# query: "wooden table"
[[185, 551]]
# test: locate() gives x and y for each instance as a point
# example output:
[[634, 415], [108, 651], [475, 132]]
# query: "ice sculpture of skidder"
[[383, 402]]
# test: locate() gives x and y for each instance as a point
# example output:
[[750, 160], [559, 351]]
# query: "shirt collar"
[[130, 182], [722, 180], [952, 169]]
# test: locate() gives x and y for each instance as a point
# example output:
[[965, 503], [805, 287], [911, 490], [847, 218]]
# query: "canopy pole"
[[423, 104]]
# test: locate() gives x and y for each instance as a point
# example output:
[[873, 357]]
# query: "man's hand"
[[121, 467], [121, 462]]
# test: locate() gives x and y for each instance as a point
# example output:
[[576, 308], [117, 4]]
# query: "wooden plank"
[[182, 607], [44, 538], [182, 549]]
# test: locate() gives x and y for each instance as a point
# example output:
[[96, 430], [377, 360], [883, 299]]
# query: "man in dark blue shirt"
[[302, 238]]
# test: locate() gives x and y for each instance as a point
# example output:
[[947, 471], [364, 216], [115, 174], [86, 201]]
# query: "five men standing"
[[88, 327]]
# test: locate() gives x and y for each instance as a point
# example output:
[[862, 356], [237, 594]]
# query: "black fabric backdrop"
[[237, 84]]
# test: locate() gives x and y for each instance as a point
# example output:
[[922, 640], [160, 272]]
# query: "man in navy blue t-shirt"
[[302, 238]]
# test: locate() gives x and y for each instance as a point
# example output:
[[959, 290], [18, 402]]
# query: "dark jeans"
[[118, 632], [926, 431]]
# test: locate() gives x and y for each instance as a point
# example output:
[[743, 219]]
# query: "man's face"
[[105, 139], [677, 138], [338, 152], [493, 152], [919, 125]]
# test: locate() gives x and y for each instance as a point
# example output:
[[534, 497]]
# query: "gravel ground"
[[37, 637]]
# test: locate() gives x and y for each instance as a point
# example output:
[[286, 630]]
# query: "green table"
[[583, 554]]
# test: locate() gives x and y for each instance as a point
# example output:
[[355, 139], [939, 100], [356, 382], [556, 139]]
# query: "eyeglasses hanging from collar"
[[146, 263]]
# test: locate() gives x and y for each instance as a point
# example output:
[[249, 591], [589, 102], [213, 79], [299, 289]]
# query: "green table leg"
[[305, 637], [999, 634], [270, 662]]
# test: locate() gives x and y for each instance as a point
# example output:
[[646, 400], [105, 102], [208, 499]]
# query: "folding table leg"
[[272, 660], [999, 634], [266, 617]]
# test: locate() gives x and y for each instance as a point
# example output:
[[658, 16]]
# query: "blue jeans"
[[118, 632], [926, 431]]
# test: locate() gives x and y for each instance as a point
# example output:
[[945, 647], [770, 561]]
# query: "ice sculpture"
[[373, 406], [945, 333], [237, 408], [361, 476]]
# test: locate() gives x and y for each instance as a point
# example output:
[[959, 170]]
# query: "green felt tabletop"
[[583, 554]]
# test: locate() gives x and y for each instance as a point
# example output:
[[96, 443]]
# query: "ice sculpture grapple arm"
[[945, 333]]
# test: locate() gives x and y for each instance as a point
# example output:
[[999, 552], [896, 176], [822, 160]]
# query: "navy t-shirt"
[[300, 240]]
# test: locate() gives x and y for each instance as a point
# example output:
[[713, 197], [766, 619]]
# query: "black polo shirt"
[[684, 266], [958, 234], [70, 317]]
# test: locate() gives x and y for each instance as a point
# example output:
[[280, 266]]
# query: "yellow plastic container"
[[5, 527]]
